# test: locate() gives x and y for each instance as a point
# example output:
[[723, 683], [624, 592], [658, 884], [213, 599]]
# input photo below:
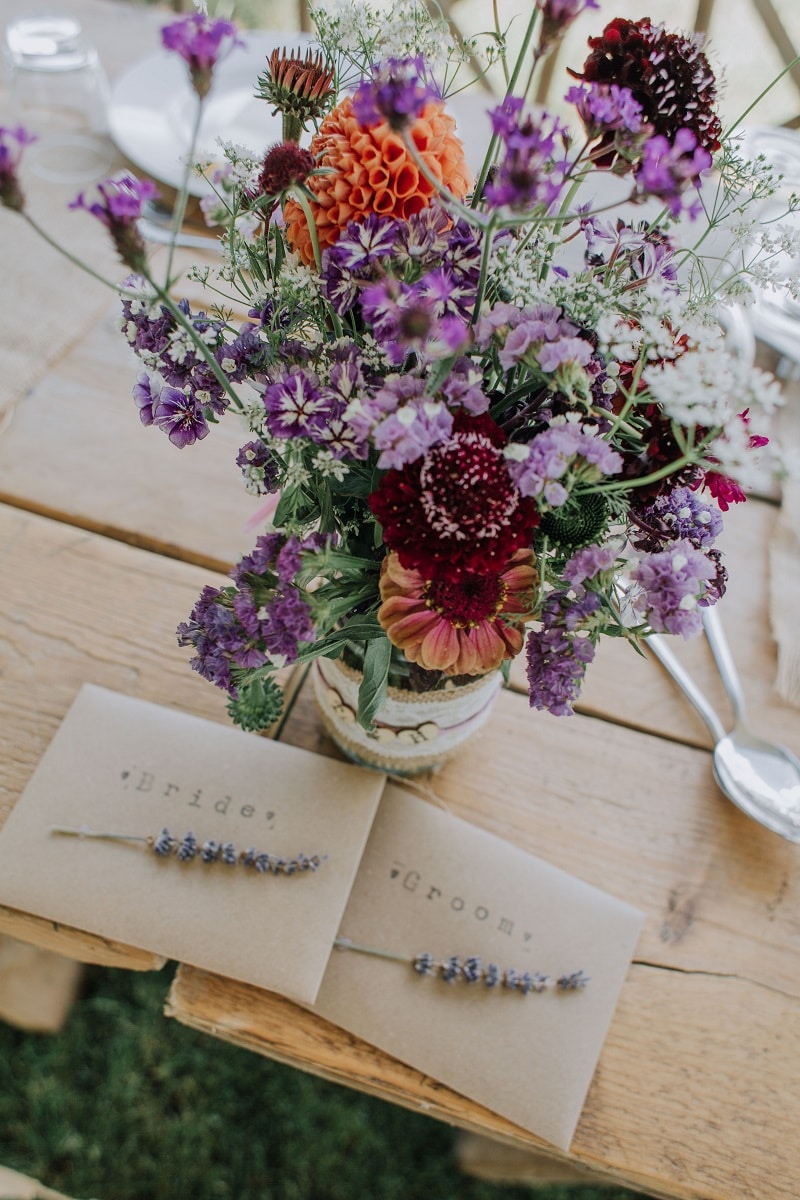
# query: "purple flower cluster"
[[414, 318], [401, 420], [263, 617], [674, 582], [179, 389], [558, 655], [259, 468], [440, 258], [605, 108], [673, 516], [118, 205], [201, 43], [172, 410], [669, 169], [12, 146], [298, 404], [397, 92], [644, 252], [552, 453], [534, 166]]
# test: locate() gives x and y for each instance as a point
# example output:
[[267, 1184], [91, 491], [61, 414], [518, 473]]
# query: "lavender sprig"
[[472, 970], [185, 849]]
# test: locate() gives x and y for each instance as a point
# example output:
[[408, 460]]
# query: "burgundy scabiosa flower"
[[667, 73], [284, 166], [12, 145], [456, 510], [201, 43], [118, 205], [461, 628]]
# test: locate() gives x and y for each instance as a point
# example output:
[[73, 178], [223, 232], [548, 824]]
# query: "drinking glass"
[[59, 92]]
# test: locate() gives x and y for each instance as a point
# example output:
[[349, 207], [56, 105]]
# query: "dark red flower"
[[284, 165], [456, 509], [668, 74]]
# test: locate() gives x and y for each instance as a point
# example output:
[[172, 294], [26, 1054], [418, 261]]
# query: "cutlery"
[[760, 777]]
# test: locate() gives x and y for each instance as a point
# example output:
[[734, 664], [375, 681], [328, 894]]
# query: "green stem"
[[512, 83], [200, 345], [486, 252], [302, 200], [743, 116], [182, 200]]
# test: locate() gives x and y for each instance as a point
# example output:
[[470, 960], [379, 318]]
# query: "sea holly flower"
[[117, 204], [462, 628], [12, 146], [201, 43], [396, 92]]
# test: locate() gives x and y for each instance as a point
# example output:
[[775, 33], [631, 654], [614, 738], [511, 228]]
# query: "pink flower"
[[462, 628]]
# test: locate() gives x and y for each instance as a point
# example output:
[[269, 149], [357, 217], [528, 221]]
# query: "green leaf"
[[372, 693]]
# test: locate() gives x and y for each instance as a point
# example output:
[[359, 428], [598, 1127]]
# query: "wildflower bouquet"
[[495, 411]]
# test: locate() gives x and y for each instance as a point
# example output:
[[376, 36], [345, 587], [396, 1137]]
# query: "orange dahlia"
[[372, 171], [462, 628]]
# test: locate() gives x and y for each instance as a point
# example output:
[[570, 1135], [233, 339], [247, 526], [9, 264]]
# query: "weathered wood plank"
[[80, 608], [694, 1096]]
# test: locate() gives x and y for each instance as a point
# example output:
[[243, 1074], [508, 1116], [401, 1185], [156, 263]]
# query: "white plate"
[[153, 107]]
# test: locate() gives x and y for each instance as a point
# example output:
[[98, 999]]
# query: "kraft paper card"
[[431, 882], [123, 765]]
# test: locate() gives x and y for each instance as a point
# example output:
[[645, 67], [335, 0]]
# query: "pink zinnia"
[[463, 628]]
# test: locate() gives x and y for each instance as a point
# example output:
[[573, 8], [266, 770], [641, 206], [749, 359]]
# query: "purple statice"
[[463, 387], [675, 515], [243, 357], [541, 336], [538, 467], [407, 318], [180, 416], [396, 92], [12, 147], [216, 637], [401, 421], [201, 43], [669, 169], [558, 654], [146, 391], [260, 471], [295, 404], [533, 168], [586, 564], [673, 583], [117, 204]]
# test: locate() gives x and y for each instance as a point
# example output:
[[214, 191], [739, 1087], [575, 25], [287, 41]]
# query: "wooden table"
[[107, 535]]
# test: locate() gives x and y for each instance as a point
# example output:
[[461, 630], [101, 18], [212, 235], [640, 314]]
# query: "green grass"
[[124, 1104]]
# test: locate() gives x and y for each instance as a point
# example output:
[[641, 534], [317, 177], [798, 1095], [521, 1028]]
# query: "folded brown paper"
[[126, 766], [421, 880], [431, 882]]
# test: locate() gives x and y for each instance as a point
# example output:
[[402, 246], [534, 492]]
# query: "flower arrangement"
[[495, 413]]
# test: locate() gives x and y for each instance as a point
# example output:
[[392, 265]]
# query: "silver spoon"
[[761, 778]]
